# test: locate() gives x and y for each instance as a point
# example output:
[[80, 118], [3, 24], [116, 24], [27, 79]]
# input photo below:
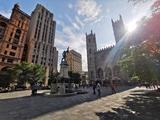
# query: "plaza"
[[80, 60], [124, 105]]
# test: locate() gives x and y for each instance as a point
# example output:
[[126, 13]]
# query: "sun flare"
[[131, 26]]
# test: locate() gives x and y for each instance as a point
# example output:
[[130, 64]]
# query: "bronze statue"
[[64, 54]]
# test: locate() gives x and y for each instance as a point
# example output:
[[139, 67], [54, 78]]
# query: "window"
[[17, 36], [10, 60], [22, 25], [15, 41], [12, 53], [35, 45], [11, 34], [36, 61], [9, 40], [7, 46], [14, 47], [18, 23], [3, 59], [5, 52]]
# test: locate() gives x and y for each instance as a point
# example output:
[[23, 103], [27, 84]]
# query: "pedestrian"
[[113, 88], [34, 88], [94, 88], [99, 89]]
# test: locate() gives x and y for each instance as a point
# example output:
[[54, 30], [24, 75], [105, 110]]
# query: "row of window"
[[20, 24], [13, 47], [11, 53], [43, 59], [16, 36], [8, 60]]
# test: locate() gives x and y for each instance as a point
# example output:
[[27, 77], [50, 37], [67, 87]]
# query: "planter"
[[61, 88], [53, 88]]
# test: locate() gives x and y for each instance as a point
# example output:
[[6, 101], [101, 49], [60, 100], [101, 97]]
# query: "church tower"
[[91, 50], [118, 28]]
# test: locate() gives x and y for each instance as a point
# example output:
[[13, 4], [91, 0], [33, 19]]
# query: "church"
[[97, 67]]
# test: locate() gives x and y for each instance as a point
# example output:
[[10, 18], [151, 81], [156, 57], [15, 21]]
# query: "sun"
[[131, 26]]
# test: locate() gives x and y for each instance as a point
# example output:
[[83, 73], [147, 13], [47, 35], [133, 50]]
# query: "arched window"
[[108, 73], [17, 36], [2, 29], [100, 73]]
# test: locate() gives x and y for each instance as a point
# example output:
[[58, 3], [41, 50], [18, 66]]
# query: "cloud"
[[88, 9], [76, 26], [73, 23], [70, 6], [98, 20], [5, 13], [68, 36], [108, 10], [79, 22]]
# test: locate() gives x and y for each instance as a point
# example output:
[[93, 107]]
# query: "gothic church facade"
[[97, 67]]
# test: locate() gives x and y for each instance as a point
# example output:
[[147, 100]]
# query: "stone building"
[[13, 34], [40, 40], [74, 60], [118, 28], [97, 66]]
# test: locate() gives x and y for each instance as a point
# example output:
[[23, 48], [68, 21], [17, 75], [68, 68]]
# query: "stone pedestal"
[[53, 88], [64, 69], [60, 88], [63, 74]]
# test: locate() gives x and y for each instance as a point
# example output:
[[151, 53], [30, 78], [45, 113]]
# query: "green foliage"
[[53, 78], [23, 72], [31, 73], [75, 77], [135, 78], [140, 65], [7, 77]]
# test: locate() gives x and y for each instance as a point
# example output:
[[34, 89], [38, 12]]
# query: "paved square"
[[22, 106]]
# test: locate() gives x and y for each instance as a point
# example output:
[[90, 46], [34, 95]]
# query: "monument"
[[60, 86], [64, 66]]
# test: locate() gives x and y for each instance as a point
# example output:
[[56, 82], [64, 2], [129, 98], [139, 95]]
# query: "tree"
[[31, 73], [23, 72], [37, 74], [75, 77], [53, 78], [140, 64], [7, 77]]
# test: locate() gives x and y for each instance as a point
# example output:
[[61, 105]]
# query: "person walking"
[[94, 88], [34, 88], [113, 87], [99, 89]]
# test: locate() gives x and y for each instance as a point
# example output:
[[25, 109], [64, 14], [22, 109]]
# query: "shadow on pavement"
[[30, 107], [141, 106]]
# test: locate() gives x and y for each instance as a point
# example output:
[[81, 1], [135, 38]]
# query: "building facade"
[[13, 34], [40, 40], [97, 65], [118, 28], [74, 60]]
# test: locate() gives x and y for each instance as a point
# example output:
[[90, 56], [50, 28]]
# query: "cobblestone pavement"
[[21, 106]]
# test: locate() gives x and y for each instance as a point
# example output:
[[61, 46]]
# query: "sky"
[[75, 18]]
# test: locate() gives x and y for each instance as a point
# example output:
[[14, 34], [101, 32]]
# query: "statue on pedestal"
[[64, 55]]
